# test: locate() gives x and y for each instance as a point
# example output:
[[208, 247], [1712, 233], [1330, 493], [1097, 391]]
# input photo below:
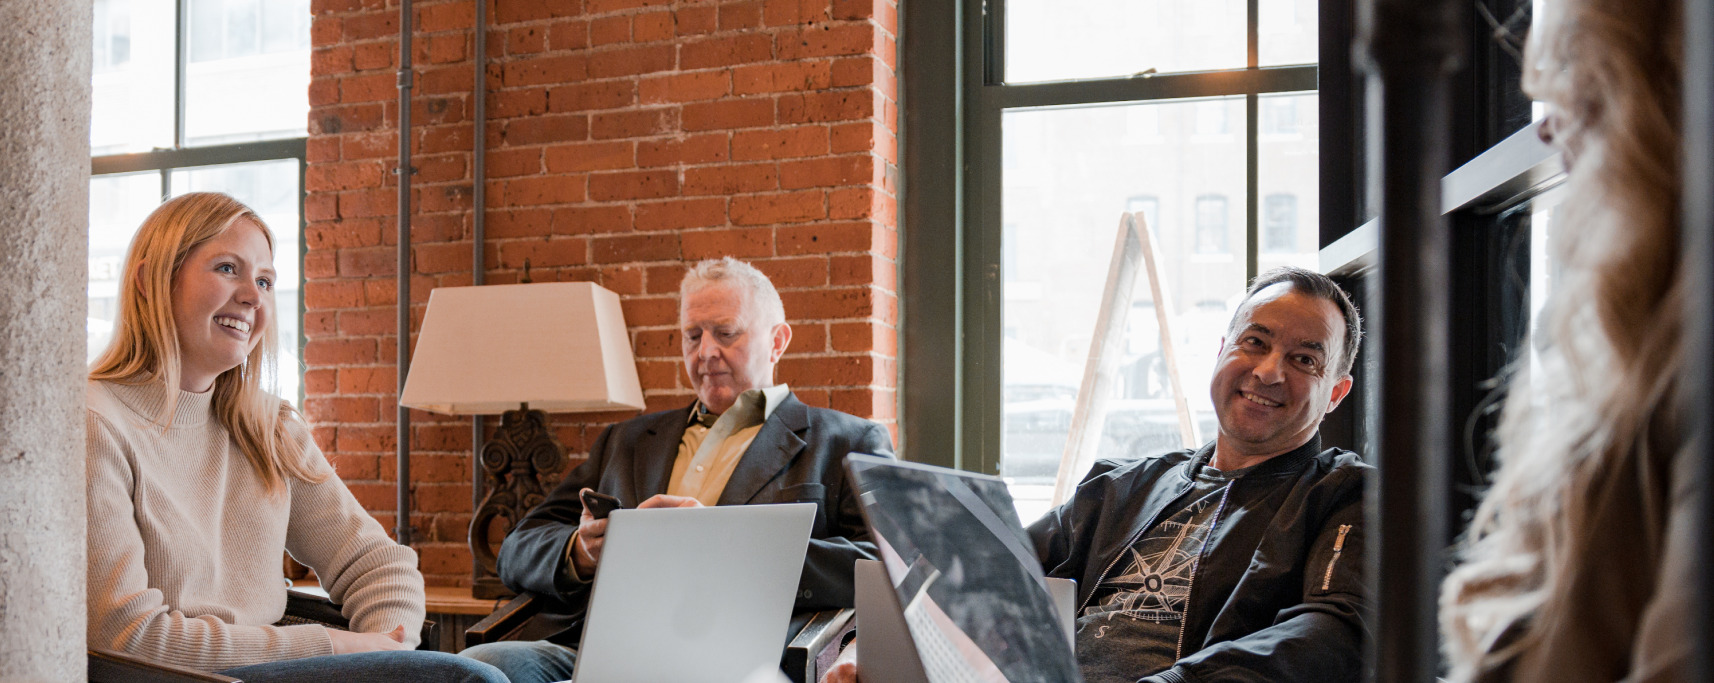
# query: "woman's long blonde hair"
[[145, 344], [1610, 350]]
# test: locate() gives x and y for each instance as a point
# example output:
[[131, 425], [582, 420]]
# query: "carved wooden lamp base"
[[521, 450]]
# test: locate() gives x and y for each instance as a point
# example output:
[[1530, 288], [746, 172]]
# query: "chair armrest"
[[512, 615], [821, 632], [108, 666], [429, 637], [309, 607]]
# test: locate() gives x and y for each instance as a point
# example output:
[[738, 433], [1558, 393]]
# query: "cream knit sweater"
[[184, 541]]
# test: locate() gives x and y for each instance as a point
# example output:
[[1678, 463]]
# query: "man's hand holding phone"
[[592, 525]]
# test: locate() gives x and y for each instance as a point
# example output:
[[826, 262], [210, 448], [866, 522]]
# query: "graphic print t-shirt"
[[1131, 627]]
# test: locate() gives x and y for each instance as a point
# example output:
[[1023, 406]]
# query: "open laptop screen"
[[971, 587]]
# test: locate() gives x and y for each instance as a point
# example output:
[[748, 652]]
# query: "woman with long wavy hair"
[[1575, 566], [198, 479]]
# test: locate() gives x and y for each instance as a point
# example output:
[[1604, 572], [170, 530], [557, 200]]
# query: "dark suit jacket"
[[798, 456]]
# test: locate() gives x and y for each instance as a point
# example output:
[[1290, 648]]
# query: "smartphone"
[[599, 504]]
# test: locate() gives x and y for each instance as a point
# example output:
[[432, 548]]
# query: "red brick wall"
[[627, 138]]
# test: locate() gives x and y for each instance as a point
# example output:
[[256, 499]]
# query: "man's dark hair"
[[1319, 286]]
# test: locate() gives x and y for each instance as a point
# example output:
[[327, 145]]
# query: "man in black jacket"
[[1241, 560], [744, 441]]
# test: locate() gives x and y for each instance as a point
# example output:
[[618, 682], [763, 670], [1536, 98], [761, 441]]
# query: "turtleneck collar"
[[191, 409]]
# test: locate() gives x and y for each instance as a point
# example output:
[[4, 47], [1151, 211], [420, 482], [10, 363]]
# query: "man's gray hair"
[[727, 270]]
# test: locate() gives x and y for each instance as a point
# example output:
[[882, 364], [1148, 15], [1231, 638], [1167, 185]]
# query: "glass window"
[[1279, 116], [247, 67], [1287, 33], [248, 76], [1211, 224], [1289, 182], [1211, 117], [117, 205], [112, 35], [1150, 207], [131, 93], [1544, 271], [1279, 224], [1066, 165], [1058, 40], [1061, 207]]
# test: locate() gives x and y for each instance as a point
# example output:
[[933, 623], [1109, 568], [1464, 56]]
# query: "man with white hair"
[[744, 440]]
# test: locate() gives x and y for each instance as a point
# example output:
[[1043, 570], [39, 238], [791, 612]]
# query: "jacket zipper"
[[1190, 588], [1338, 547]]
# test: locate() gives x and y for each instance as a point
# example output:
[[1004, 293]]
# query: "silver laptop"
[[693, 595], [967, 583], [887, 652]]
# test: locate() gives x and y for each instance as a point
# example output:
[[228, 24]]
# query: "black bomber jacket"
[[1279, 593]]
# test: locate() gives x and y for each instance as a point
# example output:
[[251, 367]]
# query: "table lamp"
[[519, 351]]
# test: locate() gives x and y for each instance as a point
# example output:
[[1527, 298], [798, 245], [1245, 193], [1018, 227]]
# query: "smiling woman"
[[198, 479]]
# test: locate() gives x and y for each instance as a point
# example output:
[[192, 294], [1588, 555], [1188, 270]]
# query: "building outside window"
[[1279, 224], [234, 122], [1211, 225]]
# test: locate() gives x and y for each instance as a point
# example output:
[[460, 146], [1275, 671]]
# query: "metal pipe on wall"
[[403, 418], [1409, 49], [478, 233], [1698, 264]]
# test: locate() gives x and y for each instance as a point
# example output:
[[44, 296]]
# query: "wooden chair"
[[808, 635], [107, 666]]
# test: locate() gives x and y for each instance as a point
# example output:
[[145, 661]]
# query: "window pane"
[[1069, 174], [1544, 272], [117, 205], [1057, 40], [248, 77], [271, 189], [1287, 32], [131, 96], [1288, 181]]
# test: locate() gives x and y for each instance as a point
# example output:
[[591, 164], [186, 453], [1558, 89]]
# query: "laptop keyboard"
[[940, 658]]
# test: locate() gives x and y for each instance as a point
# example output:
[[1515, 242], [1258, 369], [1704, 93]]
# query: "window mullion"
[[1253, 33], [181, 59], [1252, 174]]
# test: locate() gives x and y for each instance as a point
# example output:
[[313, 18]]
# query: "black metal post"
[[1698, 236], [403, 417], [1410, 48], [478, 234]]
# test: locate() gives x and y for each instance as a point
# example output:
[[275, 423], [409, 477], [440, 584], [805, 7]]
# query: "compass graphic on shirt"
[[1156, 579]]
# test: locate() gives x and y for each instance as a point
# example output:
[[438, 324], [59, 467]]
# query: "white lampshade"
[[559, 346]]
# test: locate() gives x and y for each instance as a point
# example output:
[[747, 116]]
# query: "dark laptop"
[[971, 589]]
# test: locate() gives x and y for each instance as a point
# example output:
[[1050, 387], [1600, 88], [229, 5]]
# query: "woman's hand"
[[592, 532], [346, 642]]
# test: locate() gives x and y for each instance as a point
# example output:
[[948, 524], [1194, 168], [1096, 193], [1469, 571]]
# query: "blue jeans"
[[398, 666], [527, 661]]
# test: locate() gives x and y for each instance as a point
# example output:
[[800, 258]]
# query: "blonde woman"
[[1575, 566], [198, 479]]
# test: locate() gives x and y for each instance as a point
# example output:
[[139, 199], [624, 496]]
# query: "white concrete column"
[[44, 236]]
